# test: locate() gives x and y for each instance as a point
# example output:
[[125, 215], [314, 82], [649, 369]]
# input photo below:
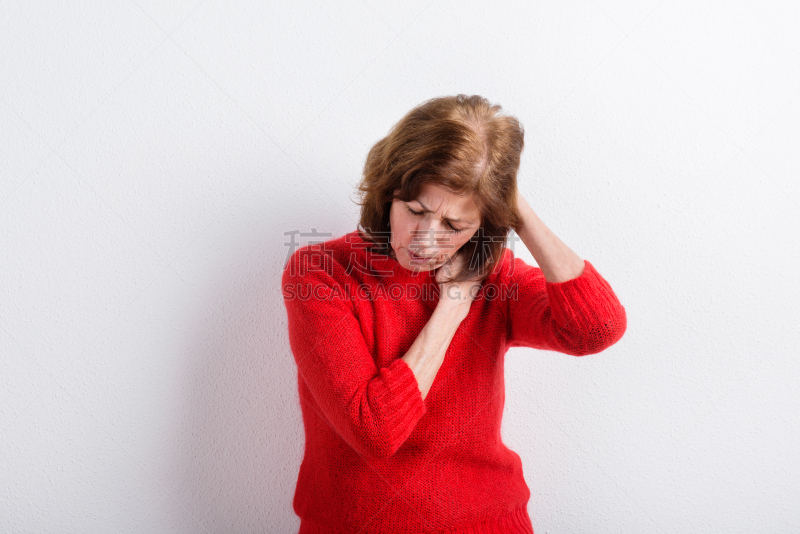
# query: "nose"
[[431, 235]]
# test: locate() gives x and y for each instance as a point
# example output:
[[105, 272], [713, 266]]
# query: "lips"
[[419, 258]]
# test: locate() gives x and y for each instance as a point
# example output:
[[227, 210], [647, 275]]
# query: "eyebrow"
[[448, 218]]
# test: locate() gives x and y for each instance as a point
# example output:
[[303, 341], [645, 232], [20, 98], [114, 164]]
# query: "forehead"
[[455, 206]]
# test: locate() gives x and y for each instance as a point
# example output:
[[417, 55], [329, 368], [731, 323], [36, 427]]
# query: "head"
[[444, 181], [434, 225]]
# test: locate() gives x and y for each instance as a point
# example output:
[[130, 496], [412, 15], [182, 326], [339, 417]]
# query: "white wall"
[[153, 156]]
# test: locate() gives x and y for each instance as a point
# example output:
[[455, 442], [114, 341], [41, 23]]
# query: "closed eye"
[[418, 213]]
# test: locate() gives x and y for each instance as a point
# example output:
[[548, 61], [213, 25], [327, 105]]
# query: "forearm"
[[426, 354], [557, 261]]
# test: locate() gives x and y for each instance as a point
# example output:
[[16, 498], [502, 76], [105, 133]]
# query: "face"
[[434, 225]]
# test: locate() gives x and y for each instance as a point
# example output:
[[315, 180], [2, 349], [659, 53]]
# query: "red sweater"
[[379, 458]]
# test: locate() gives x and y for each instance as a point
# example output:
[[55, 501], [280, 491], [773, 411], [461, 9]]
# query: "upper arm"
[[578, 317], [374, 410]]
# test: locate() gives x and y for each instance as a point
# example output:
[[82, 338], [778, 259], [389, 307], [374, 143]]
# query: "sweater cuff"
[[583, 301], [402, 400]]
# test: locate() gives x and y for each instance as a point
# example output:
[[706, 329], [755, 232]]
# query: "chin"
[[419, 267]]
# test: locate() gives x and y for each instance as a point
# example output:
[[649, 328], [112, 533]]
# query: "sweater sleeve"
[[373, 410], [578, 317]]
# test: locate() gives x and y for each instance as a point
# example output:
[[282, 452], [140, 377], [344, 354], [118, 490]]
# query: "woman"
[[399, 331]]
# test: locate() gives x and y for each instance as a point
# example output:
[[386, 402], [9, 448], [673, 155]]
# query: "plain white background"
[[153, 156]]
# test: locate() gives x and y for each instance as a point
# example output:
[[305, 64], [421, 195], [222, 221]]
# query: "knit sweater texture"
[[378, 457]]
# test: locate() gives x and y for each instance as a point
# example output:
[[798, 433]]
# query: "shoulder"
[[331, 259], [319, 273], [513, 280], [510, 269]]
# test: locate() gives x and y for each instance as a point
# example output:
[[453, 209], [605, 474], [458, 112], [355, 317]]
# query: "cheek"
[[456, 242], [399, 234]]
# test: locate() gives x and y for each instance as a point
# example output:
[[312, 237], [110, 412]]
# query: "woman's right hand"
[[456, 297]]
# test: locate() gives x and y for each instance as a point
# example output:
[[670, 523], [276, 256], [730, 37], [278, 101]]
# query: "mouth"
[[415, 257]]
